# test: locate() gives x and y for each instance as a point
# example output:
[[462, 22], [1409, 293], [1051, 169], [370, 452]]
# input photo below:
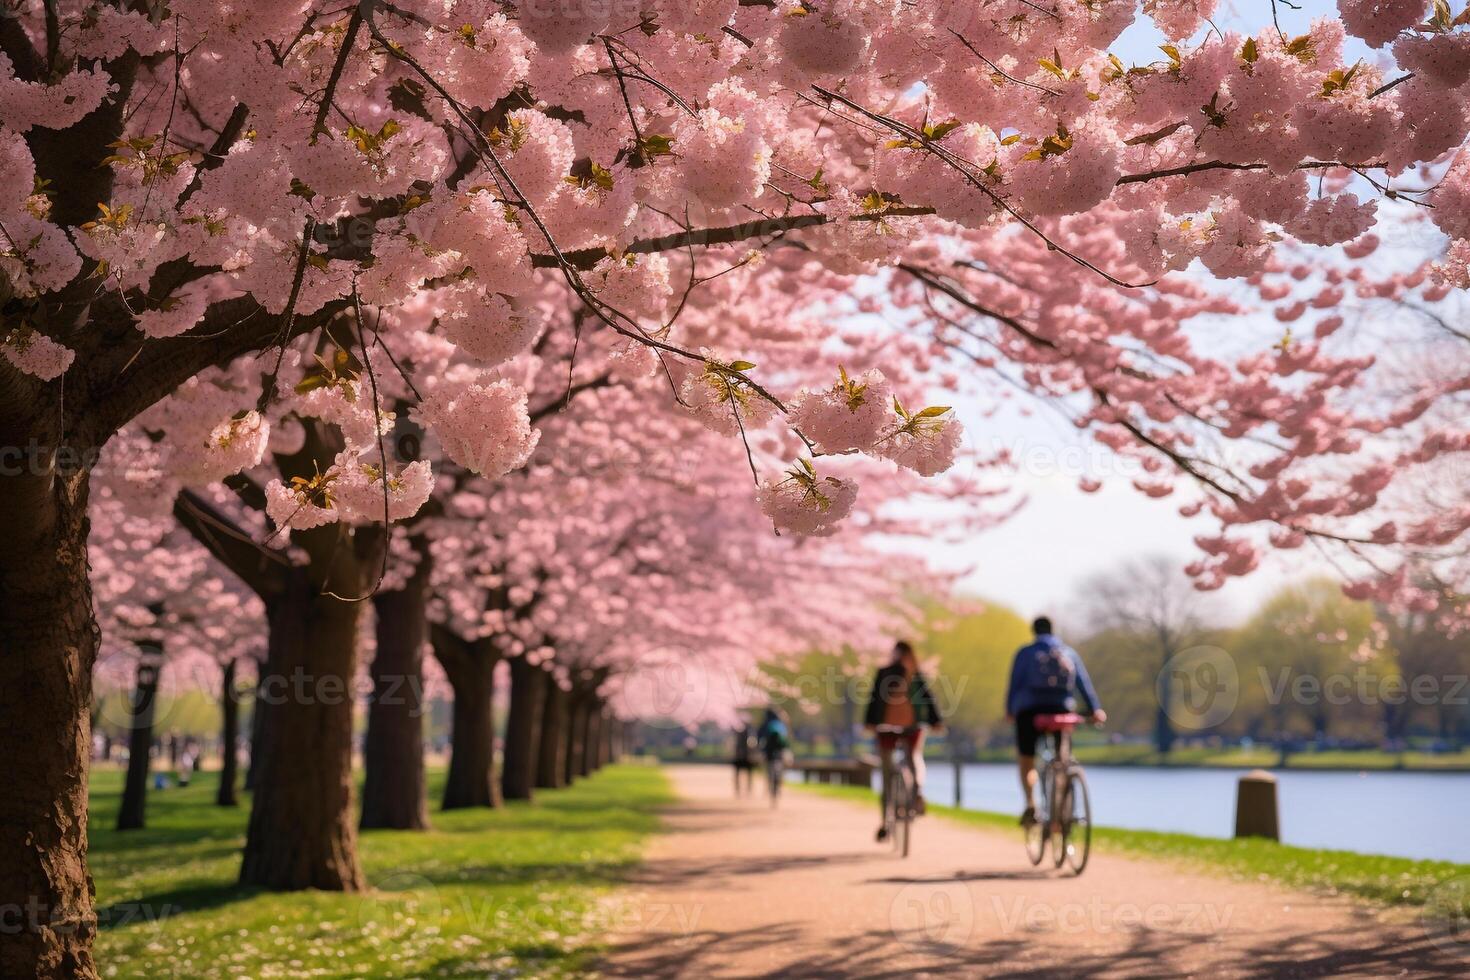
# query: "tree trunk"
[[576, 735], [229, 734], [609, 739], [522, 729], [470, 668], [301, 832], [592, 740], [1163, 725], [131, 814], [259, 718], [551, 759], [393, 794], [48, 642]]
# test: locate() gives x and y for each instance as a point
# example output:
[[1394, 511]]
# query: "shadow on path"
[[1148, 954]]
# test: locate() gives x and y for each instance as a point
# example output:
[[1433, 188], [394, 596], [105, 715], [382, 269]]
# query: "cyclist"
[[901, 700], [774, 738], [1047, 677]]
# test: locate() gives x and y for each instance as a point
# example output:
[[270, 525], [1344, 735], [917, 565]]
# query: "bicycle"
[[899, 794], [1068, 823]]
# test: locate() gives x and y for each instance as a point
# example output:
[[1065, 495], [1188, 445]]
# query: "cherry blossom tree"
[[166, 608], [190, 184]]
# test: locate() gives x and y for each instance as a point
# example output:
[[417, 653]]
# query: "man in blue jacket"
[[1047, 678]]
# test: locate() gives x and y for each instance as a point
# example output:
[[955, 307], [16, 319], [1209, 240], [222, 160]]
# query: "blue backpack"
[[777, 736], [1056, 674]]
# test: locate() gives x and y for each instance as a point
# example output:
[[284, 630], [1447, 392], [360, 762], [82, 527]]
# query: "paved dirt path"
[[736, 889]]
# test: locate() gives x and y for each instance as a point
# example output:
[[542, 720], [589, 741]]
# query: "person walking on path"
[[901, 701], [744, 760], [774, 739]]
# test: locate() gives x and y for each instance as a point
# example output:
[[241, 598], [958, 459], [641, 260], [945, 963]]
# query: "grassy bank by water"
[[1391, 880], [486, 893]]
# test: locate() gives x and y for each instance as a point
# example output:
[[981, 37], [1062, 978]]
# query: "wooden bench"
[[844, 772]]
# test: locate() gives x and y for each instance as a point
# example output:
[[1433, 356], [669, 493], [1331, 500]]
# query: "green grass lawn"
[[1392, 880], [486, 893]]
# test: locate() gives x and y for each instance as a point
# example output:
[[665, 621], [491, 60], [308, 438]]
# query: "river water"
[[1408, 814]]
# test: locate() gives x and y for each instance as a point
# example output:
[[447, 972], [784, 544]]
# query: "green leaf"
[[943, 129], [1301, 47], [1249, 52], [656, 145], [311, 382], [933, 412], [741, 366]]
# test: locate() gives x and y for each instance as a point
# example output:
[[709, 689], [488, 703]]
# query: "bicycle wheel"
[[1078, 840], [1037, 832], [1061, 817], [904, 811]]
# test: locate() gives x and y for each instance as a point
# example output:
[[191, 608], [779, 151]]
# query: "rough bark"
[[48, 642], [301, 833], [229, 734], [551, 758], [523, 729], [470, 669], [258, 720], [132, 813], [393, 793]]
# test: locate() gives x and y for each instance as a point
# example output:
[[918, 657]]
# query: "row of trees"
[[491, 305], [1308, 664]]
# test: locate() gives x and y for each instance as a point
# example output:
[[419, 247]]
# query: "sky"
[[1037, 561]]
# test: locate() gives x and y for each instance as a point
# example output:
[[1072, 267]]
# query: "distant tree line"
[[1308, 666]]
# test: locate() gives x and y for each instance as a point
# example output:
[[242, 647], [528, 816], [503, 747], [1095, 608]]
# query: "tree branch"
[[18, 48], [586, 258], [260, 568]]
